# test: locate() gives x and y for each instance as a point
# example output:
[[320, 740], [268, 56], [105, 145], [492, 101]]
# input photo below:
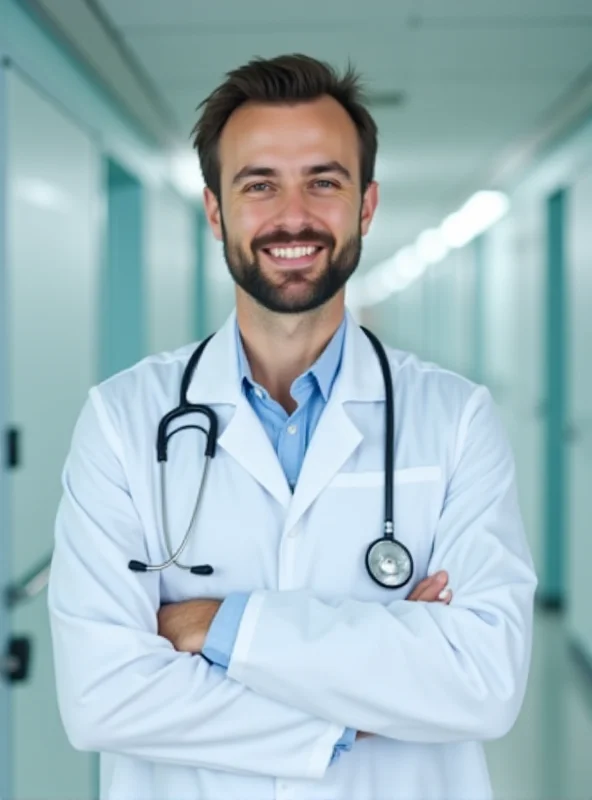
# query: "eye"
[[257, 187], [325, 183]]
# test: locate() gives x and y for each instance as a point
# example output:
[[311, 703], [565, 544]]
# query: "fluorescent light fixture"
[[478, 214], [431, 246], [409, 265], [186, 174]]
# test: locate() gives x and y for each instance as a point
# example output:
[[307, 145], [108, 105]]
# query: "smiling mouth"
[[294, 256]]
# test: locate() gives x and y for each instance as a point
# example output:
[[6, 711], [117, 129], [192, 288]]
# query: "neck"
[[280, 347]]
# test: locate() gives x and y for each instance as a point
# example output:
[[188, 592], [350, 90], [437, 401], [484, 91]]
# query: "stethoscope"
[[388, 562]]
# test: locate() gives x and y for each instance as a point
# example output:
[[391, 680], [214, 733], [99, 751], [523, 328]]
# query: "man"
[[282, 670]]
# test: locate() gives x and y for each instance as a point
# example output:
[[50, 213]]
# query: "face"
[[292, 214]]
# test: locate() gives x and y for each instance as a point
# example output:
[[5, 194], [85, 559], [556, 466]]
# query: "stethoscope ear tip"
[[137, 566], [205, 569]]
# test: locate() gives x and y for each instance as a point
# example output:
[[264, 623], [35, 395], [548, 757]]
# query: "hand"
[[433, 589], [186, 624], [427, 591]]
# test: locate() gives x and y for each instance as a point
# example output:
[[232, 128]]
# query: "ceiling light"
[[186, 174], [431, 246], [478, 214], [408, 264]]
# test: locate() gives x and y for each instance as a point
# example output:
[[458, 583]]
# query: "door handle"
[[15, 665], [15, 662], [30, 585]]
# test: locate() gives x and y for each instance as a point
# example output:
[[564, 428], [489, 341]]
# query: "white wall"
[[579, 550], [516, 276], [449, 288], [433, 316]]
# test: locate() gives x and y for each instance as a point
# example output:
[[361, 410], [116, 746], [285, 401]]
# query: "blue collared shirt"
[[290, 436]]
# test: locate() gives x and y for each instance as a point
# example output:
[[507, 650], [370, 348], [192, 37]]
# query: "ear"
[[369, 203], [213, 213]]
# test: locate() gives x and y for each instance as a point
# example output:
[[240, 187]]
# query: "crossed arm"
[[187, 624], [124, 687]]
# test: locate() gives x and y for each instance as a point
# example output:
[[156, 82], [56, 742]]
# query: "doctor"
[[285, 672]]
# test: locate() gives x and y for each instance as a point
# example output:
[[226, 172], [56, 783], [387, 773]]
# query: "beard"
[[294, 293]]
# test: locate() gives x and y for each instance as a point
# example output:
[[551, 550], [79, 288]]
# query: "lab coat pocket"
[[350, 515], [376, 478]]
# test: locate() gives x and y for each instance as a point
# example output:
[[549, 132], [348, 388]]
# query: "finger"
[[436, 595], [445, 596], [415, 594], [429, 589], [421, 588]]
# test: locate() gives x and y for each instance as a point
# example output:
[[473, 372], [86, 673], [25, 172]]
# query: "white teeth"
[[292, 252]]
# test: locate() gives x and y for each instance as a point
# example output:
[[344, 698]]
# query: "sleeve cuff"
[[223, 631], [345, 744]]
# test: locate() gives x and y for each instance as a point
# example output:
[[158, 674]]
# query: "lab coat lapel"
[[333, 442], [246, 440], [337, 437], [216, 382]]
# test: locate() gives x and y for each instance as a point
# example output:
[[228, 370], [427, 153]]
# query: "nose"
[[293, 213]]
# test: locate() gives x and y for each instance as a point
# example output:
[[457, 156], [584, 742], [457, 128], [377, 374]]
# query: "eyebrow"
[[268, 172]]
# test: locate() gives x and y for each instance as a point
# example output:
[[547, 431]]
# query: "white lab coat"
[[321, 647]]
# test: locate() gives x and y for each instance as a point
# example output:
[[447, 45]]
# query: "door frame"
[[123, 291], [555, 381], [5, 550]]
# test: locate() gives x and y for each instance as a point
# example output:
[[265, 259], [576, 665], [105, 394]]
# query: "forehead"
[[288, 136]]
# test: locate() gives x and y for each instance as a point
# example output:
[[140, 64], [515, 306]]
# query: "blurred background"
[[480, 259]]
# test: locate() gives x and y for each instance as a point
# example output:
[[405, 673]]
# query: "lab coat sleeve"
[[219, 645], [223, 630], [121, 687], [420, 672]]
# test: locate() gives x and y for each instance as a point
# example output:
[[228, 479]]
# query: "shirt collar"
[[324, 370]]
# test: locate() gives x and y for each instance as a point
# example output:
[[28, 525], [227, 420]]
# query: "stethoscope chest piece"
[[389, 563]]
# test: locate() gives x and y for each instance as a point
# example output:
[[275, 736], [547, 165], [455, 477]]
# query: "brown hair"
[[284, 79]]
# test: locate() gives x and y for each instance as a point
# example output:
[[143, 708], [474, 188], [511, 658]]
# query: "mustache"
[[280, 237]]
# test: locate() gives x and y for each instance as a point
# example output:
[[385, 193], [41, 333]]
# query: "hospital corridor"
[[478, 260]]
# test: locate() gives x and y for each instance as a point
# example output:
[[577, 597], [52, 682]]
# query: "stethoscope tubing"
[[184, 407]]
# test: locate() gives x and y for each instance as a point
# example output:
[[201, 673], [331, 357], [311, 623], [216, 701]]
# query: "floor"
[[548, 754]]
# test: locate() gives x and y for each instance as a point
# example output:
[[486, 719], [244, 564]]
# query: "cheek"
[[341, 216], [246, 222]]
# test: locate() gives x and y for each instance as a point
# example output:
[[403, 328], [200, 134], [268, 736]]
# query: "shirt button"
[[292, 429]]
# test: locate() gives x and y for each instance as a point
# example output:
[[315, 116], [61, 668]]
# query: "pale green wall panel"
[[122, 338], [53, 266]]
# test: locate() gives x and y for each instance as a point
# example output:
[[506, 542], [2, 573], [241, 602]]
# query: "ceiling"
[[477, 77]]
